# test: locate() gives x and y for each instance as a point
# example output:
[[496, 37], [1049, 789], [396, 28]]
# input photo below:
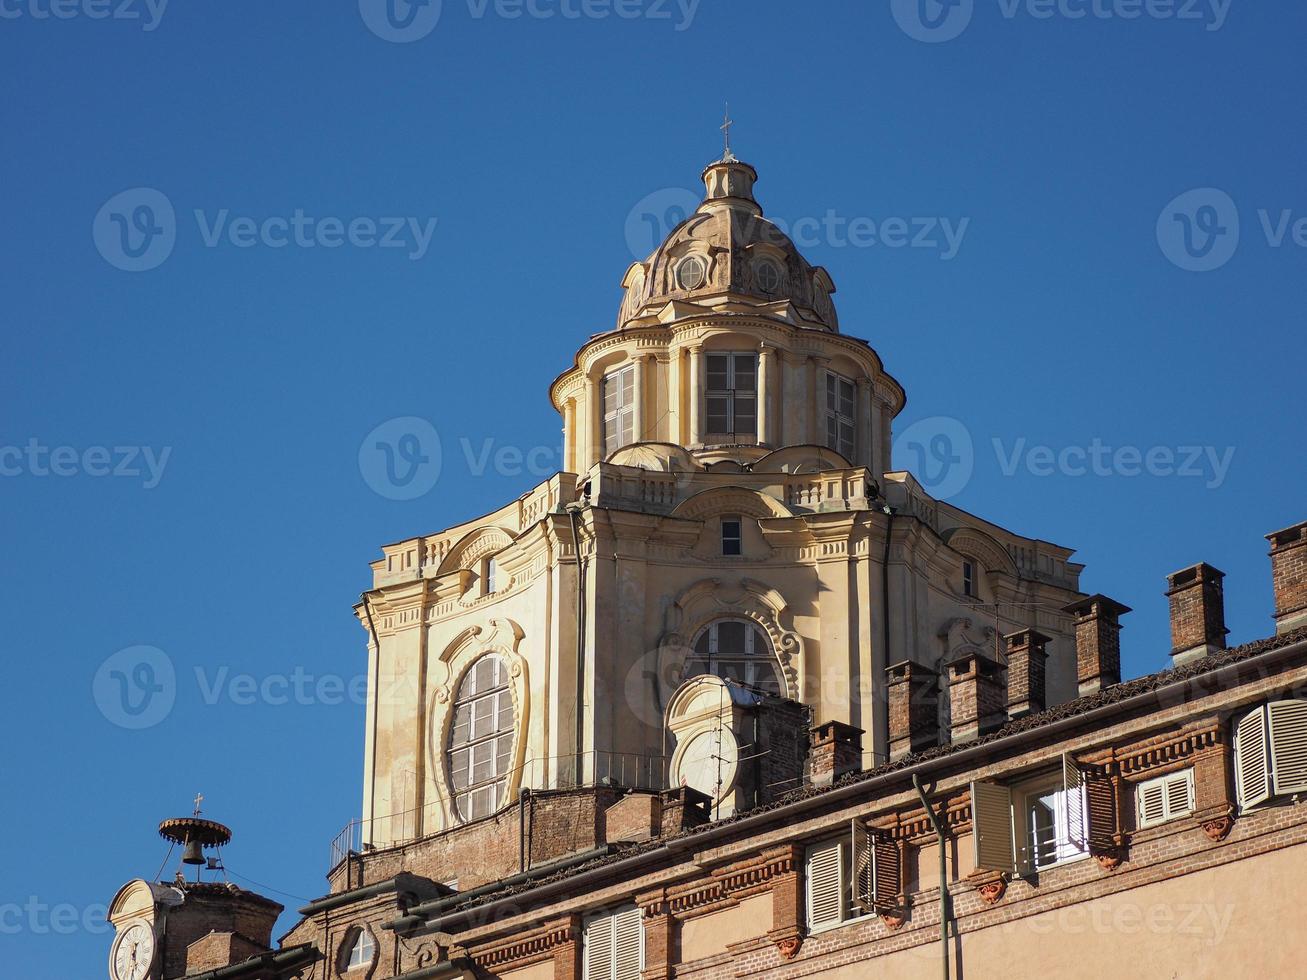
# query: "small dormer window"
[[489, 572], [363, 952], [691, 273], [732, 544], [769, 276], [969, 579]]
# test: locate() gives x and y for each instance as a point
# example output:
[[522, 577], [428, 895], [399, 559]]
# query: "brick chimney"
[[913, 708], [834, 751], [1197, 612], [977, 692], [1026, 672], [1289, 576], [1098, 642]]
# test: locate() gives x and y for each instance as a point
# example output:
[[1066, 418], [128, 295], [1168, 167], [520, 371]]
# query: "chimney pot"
[[835, 750], [1197, 612], [913, 708], [1026, 672], [1098, 642], [1289, 576], [977, 696]]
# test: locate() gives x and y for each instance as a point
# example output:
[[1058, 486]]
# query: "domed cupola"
[[727, 257]]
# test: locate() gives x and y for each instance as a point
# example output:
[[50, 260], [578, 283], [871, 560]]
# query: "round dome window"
[[769, 277], [691, 273]]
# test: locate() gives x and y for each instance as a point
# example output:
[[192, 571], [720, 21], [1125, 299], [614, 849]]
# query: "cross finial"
[[727, 123], [199, 798]]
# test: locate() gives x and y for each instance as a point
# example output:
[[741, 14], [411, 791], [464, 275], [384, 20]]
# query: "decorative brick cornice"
[[519, 951]]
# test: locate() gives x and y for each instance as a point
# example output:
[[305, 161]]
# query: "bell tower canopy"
[[729, 183]]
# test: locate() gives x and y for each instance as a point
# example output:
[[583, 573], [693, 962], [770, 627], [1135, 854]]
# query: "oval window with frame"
[[768, 276], [691, 273]]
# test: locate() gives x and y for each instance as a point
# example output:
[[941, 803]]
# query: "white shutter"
[[824, 885], [1252, 775], [1073, 804], [628, 945], [1179, 794], [1152, 802], [863, 870], [597, 947], [991, 827], [1288, 731]]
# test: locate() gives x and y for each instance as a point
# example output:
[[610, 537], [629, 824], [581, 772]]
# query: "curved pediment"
[[658, 457], [474, 546], [731, 500], [980, 546], [801, 460]]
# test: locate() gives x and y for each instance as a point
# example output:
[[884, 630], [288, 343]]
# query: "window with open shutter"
[[991, 827], [1288, 738], [824, 879], [1252, 771], [875, 870], [613, 946], [1165, 798], [1073, 806]]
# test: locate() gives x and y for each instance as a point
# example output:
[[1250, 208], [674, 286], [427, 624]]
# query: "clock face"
[[708, 763], [133, 952]]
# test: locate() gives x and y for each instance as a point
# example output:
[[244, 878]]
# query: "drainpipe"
[[574, 512], [884, 613], [943, 873]]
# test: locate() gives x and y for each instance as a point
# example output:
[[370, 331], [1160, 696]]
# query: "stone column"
[[863, 423], [766, 382], [637, 395], [594, 442], [814, 403], [569, 435], [695, 436]]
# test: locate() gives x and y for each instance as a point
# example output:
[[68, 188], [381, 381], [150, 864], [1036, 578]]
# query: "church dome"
[[728, 257]]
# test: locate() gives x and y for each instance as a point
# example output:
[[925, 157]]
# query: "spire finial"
[[727, 123], [199, 799]]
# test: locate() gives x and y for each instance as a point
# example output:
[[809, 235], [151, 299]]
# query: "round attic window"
[[769, 277], [691, 273]]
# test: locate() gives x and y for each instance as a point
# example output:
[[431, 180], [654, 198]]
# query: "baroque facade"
[[729, 696]]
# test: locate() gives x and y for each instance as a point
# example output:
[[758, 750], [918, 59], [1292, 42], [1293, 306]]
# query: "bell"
[[193, 854]]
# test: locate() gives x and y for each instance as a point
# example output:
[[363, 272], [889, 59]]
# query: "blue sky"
[[1091, 305]]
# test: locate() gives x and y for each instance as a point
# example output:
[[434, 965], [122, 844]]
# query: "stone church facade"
[[729, 696]]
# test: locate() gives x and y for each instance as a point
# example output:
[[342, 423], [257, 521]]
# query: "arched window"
[[739, 650], [362, 952], [481, 739]]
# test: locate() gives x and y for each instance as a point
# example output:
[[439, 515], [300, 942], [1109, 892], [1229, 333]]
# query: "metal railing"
[[588, 769]]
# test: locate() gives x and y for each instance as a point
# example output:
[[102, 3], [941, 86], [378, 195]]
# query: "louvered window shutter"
[[598, 949], [824, 884], [991, 827], [1252, 766], [1100, 809], [1152, 802], [1288, 724], [628, 945], [1179, 794], [863, 871], [887, 873], [1073, 804]]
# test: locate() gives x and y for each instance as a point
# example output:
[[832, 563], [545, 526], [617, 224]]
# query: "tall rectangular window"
[[732, 397], [732, 543], [841, 428], [619, 409]]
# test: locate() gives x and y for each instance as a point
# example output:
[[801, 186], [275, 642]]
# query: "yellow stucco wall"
[[708, 935]]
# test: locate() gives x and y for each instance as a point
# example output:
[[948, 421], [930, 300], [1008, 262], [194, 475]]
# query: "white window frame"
[[848, 911], [1160, 792], [497, 782], [736, 539], [601, 936], [358, 958], [730, 394], [838, 419], [1270, 753], [1001, 825], [620, 412]]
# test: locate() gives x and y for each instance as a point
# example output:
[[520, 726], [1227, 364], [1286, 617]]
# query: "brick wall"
[[1197, 611], [1289, 576]]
